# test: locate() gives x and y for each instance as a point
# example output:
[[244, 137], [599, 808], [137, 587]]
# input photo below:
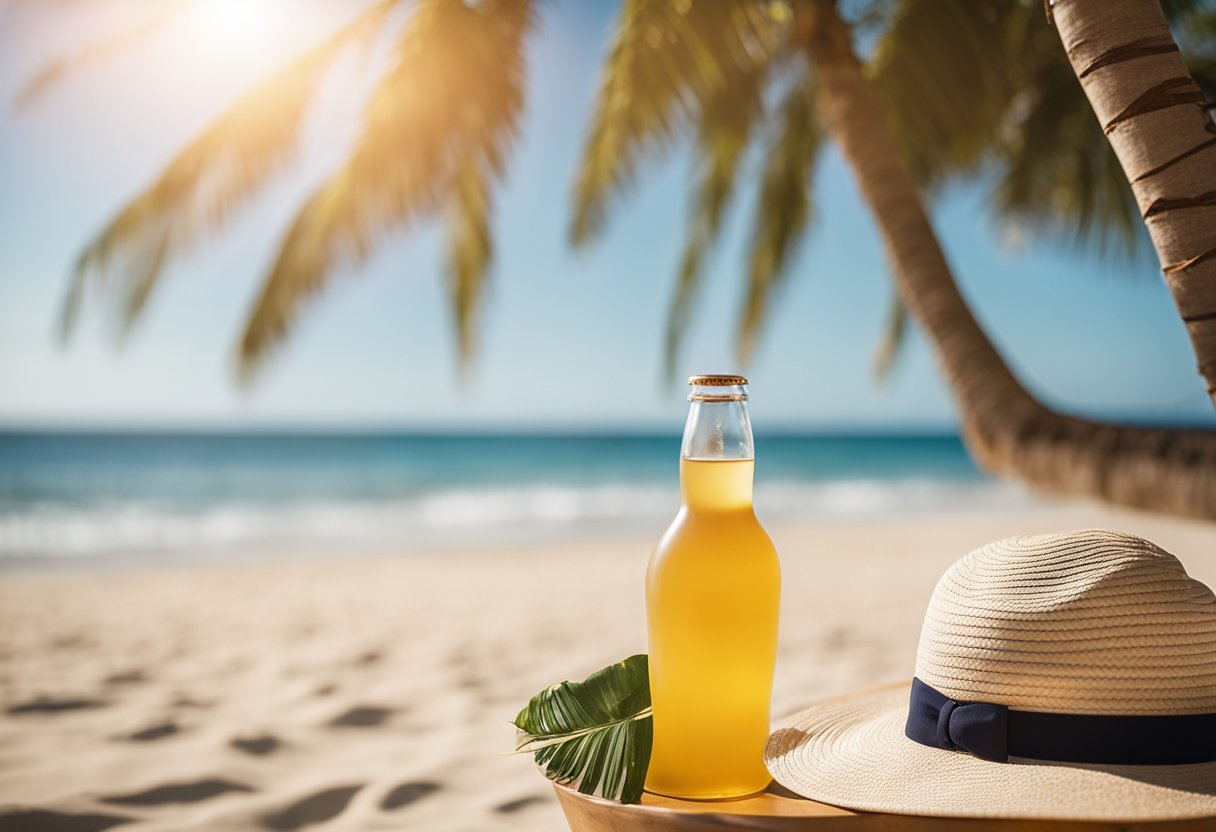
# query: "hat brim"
[[852, 752]]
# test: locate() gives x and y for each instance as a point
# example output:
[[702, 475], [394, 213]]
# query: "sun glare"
[[234, 26]]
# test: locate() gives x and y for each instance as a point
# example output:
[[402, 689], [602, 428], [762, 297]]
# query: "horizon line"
[[17, 430]]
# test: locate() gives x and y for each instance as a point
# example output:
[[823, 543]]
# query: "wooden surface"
[[779, 810]]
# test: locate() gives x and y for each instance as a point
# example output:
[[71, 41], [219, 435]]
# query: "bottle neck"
[[717, 455], [716, 484]]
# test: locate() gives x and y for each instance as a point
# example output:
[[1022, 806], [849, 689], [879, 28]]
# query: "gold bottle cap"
[[717, 381]]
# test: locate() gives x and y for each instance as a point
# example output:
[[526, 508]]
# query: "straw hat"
[[1068, 677]]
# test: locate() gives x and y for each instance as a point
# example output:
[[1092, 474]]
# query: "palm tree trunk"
[[1006, 429], [1156, 118]]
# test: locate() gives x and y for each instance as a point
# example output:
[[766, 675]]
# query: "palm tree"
[[1017, 112], [1007, 430], [967, 87], [1160, 125], [676, 68], [436, 137]]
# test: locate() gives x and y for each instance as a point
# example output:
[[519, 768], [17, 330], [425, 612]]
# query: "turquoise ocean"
[[108, 498]]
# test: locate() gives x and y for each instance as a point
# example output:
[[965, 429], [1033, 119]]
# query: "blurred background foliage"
[[972, 89]]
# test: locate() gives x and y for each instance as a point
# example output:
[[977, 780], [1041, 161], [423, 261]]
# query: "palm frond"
[[596, 733], [783, 207], [724, 131], [986, 83], [1196, 32], [439, 123], [945, 73], [1181, 11], [1056, 173], [470, 249], [667, 59], [200, 188], [99, 51], [894, 337]]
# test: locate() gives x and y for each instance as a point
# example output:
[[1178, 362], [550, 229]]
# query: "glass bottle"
[[712, 595]]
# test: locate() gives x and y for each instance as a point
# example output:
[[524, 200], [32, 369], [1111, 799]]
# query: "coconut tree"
[[438, 131], [967, 87], [1007, 430], [1160, 125], [657, 55], [986, 84]]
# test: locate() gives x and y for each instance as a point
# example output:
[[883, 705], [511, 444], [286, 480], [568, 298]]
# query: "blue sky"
[[568, 339]]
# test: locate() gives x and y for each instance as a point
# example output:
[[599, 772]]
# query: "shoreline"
[[922, 500]]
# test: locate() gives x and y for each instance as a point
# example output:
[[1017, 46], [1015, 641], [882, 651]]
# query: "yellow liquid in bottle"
[[712, 596]]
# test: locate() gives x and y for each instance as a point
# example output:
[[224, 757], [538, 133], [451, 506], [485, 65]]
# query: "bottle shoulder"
[[739, 532], [736, 518]]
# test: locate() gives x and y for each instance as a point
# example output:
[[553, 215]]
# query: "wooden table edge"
[[585, 813], [779, 812]]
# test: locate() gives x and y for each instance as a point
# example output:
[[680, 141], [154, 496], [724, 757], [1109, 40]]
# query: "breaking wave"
[[441, 518]]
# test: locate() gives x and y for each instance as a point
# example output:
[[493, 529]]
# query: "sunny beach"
[[811, 386]]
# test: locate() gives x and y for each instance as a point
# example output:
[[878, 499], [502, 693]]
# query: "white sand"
[[429, 656]]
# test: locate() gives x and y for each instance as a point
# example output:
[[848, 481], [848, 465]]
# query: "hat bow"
[[980, 728]]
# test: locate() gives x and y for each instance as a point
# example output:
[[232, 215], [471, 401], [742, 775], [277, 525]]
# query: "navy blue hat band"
[[994, 732]]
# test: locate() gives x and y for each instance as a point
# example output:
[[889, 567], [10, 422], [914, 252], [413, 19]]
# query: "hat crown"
[[1088, 622]]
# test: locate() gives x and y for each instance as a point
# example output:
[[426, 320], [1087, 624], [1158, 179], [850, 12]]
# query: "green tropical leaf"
[[596, 733]]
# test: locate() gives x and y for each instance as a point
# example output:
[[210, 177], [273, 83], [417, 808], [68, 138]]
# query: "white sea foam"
[[443, 518]]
